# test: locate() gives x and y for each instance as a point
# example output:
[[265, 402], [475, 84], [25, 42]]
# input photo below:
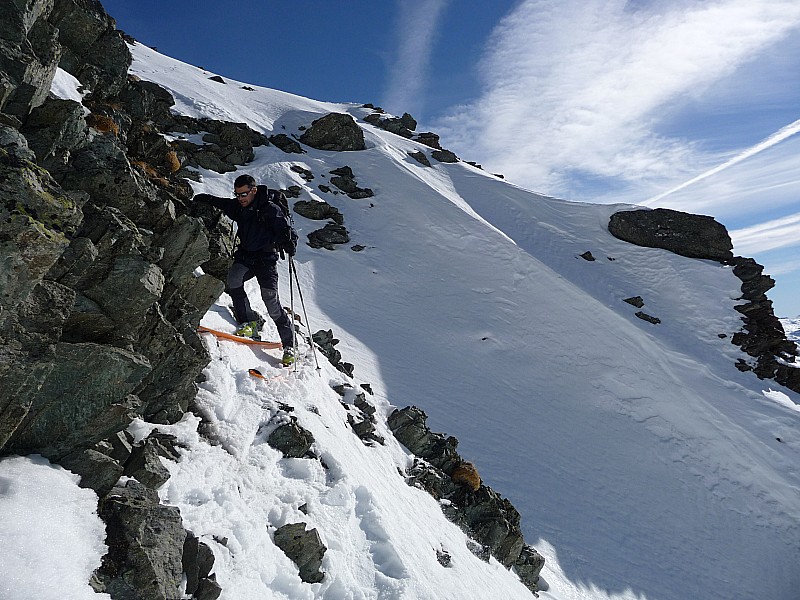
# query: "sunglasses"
[[242, 194]]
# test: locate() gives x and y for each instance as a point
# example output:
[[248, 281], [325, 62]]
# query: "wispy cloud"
[[579, 87], [778, 233], [416, 27], [775, 138]]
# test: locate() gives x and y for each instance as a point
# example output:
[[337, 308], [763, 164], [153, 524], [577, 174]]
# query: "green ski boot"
[[288, 357], [248, 330]]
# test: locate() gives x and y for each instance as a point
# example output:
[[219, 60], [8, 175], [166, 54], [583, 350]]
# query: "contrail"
[[775, 138]]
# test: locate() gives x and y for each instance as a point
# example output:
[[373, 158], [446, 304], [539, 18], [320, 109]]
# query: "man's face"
[[244, 195]]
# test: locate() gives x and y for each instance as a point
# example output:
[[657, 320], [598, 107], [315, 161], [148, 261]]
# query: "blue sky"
[[685, 104]]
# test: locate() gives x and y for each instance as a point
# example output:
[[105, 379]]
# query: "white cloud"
[[775, 138], [771, 235], [580, 86], [416, 28]]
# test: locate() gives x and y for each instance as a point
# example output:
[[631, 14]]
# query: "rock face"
[[335, 131], [484, 515], [305, 548], [696, 236], [98, 293]]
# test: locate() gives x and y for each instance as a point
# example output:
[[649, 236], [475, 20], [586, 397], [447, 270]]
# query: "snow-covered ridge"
[[642, 462]]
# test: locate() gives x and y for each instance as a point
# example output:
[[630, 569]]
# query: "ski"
[[236, 338]]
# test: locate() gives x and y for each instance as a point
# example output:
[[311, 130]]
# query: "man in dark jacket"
[[263, 231]]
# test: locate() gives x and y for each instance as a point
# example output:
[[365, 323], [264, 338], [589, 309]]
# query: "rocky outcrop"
[[304, 548], [489, 519], [335, 131], [344, 179], [762, 335], [99, 294], [697, 236], [145, 545]]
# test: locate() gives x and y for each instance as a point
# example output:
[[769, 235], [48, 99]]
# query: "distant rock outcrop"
[[698, 236], [335, 131], [695, 236]]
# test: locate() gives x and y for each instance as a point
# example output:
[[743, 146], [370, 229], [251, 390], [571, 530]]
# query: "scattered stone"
[[218, 79], [445, 156], [318, 211], [444, 558], [304, 548], [636, 301], [420, 158], [292, 440], [287, 144], [645, 317], [357, 248], [588, 256], [429, 139], [329, 236], [304, 173]]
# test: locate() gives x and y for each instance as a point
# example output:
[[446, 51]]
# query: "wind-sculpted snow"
[[642, 459]]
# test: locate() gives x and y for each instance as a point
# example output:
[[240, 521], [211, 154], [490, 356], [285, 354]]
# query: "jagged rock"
[[304, 548], [98, 471], [335, 131], [649, 318], [198, 560], [293, 191], [443, 557], [103, 170], [492, 521], [14, 143], [420, 158], [291, 440], [588, 256], [306, 174], [147, 101], [762, 335], [445, 156], [29, 56], [694, 236], [345, 181], [318, 211], [145, 545], [403, 126], [54, 130], [145, 465], [287, 144], [636, 301], [429, 139], [328, 236], [528, 567], [410, 428], [326, 342], [218, 79]]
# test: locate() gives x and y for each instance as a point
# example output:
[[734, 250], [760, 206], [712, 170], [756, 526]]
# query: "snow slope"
[[643, 463]]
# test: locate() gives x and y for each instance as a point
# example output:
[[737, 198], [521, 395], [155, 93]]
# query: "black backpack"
[[288, 243]]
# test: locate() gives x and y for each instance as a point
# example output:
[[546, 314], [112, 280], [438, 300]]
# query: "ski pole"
[[305, 314]]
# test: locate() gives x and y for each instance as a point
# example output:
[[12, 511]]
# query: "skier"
[[264, 232]]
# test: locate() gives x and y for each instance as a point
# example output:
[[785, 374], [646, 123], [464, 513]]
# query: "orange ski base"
[[236, 338]]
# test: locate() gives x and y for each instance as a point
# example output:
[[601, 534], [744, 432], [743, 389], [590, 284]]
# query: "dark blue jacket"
[[260, 226]]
